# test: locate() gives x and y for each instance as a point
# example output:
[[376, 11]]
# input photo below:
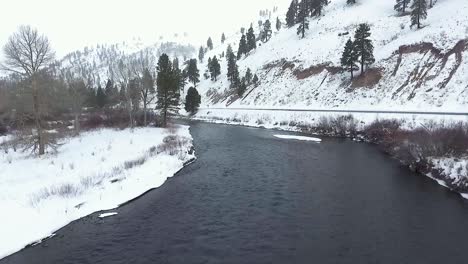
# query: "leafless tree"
[[26, 53], [125, 75]]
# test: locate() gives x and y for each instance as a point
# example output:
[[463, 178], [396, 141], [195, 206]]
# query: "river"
[[254, 198]]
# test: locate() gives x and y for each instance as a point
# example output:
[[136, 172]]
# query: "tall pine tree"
[[209, 43], [168, 93], [302, 18], [363, 47], [193, 74], [201, 54], [266, 33], [349, 58], [243, 48], [215, 69], [100, 97], [278, 24], [223, 38], [192, 100], [419, 12], [291, 14], [251, 39], [316, 7], [401, 6]]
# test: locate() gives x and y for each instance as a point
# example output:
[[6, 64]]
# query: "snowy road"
[[342, 111], [253, 198]]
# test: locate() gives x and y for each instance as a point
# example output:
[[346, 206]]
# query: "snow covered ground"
[[298, 138], [96, 171], [293, 120]]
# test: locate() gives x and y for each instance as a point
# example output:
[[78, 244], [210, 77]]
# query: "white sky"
[[74, 24]]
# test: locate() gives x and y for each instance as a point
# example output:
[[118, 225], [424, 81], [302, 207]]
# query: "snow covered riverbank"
[[97, 171]]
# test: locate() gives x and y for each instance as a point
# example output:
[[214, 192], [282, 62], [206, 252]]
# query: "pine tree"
[[223, 38], [193, 74], [243, 49], [266, 33], [231, 63], [175, 63], [291, 14], [242, 87], [251, 39], [209, 43], [215, 69], [302, 19], [278, 24], [100, 97], [201, 54], [419, 12], [316, 7], [363, 47], [350, 2], [248, 76], [192, 100], [112, 93], [255, 79], [168, 92], [349, 58], [401, 6]]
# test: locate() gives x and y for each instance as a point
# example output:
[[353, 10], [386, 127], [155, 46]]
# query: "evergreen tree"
[[291, 14], [193, 74], [350, 2], [100, 97], [192, 100], [243, 49], [248, 76], [242, 87], [251, 39], [401, 6], [266, 33], [209, 43], [302, 18], [175, 63], [349, 58], [419, 12], [231, 63], [112, 93], [201, 54], [255, 79], [316, 7], [278, 24], [223, 38], [215, 69], [364, 50], [167, 87]]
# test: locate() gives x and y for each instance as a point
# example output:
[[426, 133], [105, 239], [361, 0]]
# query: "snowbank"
[[97, 171], [298, 138]]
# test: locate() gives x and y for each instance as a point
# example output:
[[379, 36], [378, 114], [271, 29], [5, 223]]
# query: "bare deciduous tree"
[[26, 53]]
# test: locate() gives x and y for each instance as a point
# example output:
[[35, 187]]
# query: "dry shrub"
[[342, 126], [173, 145]]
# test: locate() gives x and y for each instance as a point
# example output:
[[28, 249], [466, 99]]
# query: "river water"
[[254, 198]]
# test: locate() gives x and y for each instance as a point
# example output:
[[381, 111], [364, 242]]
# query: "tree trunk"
[[144, 113], [165, 118], [77, 123], [37, 116]]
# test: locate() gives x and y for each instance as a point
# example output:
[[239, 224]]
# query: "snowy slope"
[[422, 69]]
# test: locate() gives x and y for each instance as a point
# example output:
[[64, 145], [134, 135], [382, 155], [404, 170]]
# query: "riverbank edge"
[[422, 167]]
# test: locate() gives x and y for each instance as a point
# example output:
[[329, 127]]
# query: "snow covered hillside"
[[97, 64], [97, 171], [425, 69]]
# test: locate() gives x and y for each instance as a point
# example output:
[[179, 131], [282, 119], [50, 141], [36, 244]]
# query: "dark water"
[[252, 198]]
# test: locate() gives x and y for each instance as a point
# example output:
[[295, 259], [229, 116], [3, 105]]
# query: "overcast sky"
[[72, 25]]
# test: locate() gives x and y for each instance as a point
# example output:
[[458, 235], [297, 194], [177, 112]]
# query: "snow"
[[418, 84], [90, 173], [454, 168], [298, 138], [107, 215]]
